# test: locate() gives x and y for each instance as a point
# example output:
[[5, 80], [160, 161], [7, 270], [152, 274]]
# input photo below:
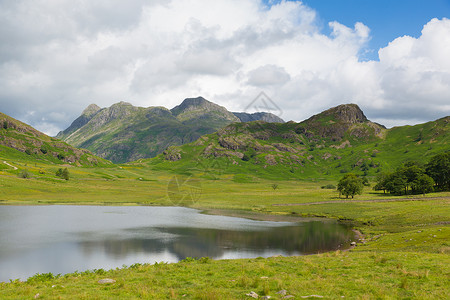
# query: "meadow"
[[403, 252]]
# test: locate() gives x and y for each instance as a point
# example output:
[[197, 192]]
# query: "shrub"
[[63, 173], [328, 187], [24, 174]]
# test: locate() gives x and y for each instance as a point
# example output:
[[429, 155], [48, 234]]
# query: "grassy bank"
[[354, 275]]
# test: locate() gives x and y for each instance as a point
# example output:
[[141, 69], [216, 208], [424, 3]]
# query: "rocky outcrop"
[[172, 153]]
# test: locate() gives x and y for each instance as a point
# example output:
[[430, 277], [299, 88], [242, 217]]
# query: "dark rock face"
[[335, 122], [348, 113], [259, 116]]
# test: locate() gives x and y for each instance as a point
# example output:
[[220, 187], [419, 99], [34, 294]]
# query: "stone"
[[282, 292], [288, 297], [253, 295], [266, 297], [353, 243], [106, 280]]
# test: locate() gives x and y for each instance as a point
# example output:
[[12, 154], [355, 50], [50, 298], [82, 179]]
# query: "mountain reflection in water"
[[303, 238], [63, 239]]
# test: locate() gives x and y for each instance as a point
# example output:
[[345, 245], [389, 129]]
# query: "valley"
[[256, 170]]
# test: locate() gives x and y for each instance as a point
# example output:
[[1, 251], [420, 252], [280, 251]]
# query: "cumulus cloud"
[[57, 57], [268, 75]]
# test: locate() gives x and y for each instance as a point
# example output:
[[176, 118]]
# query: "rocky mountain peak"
[[91, 110], [347, 113], [190, 104], [192, 108]]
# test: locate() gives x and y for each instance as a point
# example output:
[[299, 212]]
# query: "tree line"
[[410, 178], [416, 178]]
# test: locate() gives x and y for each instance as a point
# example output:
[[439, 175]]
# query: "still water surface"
[[63, 239]]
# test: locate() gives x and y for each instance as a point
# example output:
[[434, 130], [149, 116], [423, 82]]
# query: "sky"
[[392, 58]]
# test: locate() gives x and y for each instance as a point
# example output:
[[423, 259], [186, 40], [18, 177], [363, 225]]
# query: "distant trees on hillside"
[[414, 178]]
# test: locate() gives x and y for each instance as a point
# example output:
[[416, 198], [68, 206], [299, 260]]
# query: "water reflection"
[[62, 239], [303, 238]]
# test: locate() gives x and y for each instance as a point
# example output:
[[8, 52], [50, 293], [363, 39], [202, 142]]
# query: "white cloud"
[[268, 75], [56, 57]]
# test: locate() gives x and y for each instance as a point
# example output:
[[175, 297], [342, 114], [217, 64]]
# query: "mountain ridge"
[[123, 132]]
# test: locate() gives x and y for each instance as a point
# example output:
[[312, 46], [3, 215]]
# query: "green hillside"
[[327, 145], [20, 141]]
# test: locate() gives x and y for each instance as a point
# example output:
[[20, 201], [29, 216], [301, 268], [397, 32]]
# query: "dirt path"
[[15, 168], [364, 201]]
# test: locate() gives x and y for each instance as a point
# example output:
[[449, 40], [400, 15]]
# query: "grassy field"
[[404, 253], [349, 275]]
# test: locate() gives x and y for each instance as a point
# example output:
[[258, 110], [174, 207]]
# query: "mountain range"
[[334, 142], [123, 133], [329, 144]]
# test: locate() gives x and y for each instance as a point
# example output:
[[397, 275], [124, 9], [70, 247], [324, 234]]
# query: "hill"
[[334, 142], [18, 139], [123, 132]]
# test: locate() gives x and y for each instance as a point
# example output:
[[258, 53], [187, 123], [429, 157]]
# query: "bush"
[[24, 174], [63, 173], [328, 187]]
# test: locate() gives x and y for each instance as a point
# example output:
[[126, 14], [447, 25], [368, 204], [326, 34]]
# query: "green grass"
[[404, 254], [354, 275]]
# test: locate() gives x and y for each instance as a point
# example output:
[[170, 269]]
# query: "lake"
[[65, 239]]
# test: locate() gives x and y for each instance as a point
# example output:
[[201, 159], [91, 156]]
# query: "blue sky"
[[387, 19]]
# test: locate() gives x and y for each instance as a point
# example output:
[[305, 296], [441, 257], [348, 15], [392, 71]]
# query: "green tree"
[[382, 182], [397, 183], [63, 173], [411, 171], [438, 168], [423, 184], [350, 185]]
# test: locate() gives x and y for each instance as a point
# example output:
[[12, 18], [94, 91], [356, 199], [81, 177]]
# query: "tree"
[[350, 185], [396, 183], [63, 173], [382, 182], [410, 172], [423, 184], [438, 168]]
